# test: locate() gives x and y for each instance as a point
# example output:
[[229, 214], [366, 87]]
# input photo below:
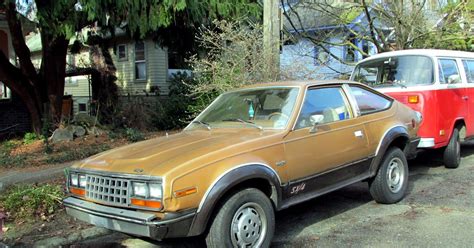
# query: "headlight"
[[155, 191], [139, 189], [82, 181], [74, 180]]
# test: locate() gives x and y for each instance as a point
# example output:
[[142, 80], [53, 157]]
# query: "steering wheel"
[[270, 116]]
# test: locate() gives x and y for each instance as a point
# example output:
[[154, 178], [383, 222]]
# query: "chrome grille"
[[107, 190]]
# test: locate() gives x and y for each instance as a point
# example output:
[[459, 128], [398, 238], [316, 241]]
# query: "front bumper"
[[426, 143], [130, 221]]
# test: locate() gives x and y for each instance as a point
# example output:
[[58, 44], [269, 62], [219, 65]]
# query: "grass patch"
[[26, 201]]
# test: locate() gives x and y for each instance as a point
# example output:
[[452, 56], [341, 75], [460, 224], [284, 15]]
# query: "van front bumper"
[[129, 221], [426, 143]]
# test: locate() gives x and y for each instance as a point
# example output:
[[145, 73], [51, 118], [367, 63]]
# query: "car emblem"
[[138, 170]]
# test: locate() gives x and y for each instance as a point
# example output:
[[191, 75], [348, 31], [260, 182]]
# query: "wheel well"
[[399, 142], [459, 124], [259, 183]]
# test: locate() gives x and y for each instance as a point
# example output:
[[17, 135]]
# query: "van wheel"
[[390, 183], [246, 219], [452, 153]]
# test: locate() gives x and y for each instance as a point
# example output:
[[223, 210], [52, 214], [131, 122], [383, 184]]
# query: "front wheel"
[[390, 183], [452, 153], [246, 219]]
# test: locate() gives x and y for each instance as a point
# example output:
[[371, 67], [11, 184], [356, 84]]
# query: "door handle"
[[358, 134], [465, 97]]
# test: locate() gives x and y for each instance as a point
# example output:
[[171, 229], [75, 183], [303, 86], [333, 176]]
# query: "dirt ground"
[[437, 212]]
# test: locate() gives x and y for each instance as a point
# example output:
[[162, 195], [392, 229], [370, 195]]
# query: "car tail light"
[[413, 99]]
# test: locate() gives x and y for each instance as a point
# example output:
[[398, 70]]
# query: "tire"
[[390, 184], [452, 152], [239, 220]]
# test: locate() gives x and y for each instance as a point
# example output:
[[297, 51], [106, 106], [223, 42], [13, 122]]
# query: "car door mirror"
[[315, 120]]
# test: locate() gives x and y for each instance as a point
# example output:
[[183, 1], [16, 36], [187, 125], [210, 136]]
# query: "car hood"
[[161, 155]]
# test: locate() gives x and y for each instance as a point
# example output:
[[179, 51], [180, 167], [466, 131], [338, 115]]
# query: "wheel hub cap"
[[248, 224], [395, 175]]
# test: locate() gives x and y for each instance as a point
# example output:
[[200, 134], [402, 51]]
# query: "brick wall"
[[13, 112]]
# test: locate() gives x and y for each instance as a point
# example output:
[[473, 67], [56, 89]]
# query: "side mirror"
[[315, 120]]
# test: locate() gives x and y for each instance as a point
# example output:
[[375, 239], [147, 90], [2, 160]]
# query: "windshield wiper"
[[202, 123], [245, 122]]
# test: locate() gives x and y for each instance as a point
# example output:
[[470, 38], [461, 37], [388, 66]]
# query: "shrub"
[[134, 135], [31, 137], [134, 112], [177, 110], [31, 200], [235, 57]]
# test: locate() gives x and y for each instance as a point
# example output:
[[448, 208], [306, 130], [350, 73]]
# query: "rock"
[[95, 131], [59, 135], [78, 131], [84, 120]]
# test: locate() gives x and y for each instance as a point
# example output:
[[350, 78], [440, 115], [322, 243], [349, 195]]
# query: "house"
[[333, 60], [14, 116], [143, 69]]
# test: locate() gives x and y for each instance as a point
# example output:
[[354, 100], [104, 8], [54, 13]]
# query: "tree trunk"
[[53, 72]]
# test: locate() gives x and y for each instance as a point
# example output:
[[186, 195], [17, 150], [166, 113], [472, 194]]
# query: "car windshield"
[[265, 108], [399, 71]]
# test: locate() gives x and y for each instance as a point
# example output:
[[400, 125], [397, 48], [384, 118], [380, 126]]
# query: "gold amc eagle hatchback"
[[252, 152]]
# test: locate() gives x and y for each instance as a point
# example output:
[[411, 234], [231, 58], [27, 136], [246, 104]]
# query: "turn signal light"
[[413, 99], [77, 191], [185, 192], [146, 203]]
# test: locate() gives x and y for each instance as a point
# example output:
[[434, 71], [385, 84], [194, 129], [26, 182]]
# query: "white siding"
[[156, 64]]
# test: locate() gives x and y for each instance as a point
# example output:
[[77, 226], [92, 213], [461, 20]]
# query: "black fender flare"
[[227, 181], [389, 136]]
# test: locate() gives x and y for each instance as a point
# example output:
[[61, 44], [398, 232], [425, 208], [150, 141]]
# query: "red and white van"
[[437, 83]]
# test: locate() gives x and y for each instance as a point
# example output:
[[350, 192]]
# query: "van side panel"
[[427, 105]]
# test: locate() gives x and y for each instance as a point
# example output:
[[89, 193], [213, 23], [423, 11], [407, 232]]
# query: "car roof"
[[301, 83], [423, 52]]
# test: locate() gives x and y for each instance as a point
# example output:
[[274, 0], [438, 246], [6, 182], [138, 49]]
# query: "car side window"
[[323, 105], [448, 71], [469, 68], [369, 102]]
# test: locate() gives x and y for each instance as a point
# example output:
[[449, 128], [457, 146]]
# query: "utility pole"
[[271, 34]]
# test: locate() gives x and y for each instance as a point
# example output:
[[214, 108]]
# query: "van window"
[[448, 71], [397, 71], [469, 68], [369, 102]]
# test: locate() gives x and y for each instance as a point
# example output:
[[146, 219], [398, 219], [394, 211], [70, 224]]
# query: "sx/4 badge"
[[298, 188]]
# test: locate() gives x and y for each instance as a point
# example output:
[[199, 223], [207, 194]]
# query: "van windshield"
[[398, 71]]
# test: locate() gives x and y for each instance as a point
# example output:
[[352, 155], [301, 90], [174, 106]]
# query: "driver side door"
[[332, 150]]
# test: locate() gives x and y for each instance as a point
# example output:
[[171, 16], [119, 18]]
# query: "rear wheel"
[[452, 153], [390, 183], [246, 219]]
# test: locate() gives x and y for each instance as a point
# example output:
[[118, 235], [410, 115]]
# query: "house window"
[[140, 63], [5, 92], [349, 50], [122, 52], [82, 107]]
